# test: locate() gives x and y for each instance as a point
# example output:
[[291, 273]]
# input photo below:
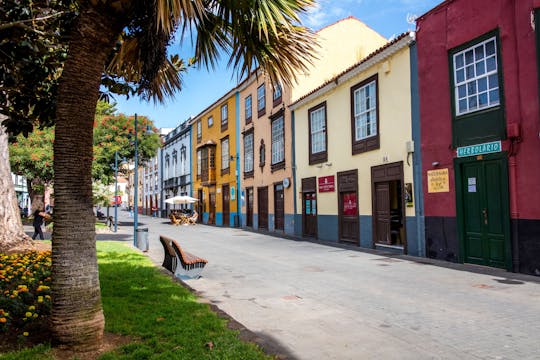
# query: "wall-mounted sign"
[[233, 193], [438, 181], [327, 183], [479, 149], [286, 182]]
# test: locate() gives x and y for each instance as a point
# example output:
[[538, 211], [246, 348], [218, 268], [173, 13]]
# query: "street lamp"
[[136, 182]]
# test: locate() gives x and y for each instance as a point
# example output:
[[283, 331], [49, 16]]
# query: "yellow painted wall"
[[394, 129], [215, 134], [341, 45]]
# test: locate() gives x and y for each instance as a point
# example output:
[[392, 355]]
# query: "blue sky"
[[202, 87]]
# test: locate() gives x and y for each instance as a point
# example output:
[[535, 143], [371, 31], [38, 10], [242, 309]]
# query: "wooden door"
[[485, 213], [249, 207], [262, 207], [226, 197], [279, 207], [348, 206], [309, 214], [200, 206], [382, 213], [212, 210]]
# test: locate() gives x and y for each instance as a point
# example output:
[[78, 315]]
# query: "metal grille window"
[[278, 141], [365, 111], [248, 152], [476, 77], [318, 130], [225, 153]]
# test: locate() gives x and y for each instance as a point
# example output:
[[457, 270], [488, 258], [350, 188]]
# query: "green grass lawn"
[[163, 318]]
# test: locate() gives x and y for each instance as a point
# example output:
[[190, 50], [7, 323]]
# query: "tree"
[[32, 157], [30, 56], [116, 133], [260, 33], [11, 233]]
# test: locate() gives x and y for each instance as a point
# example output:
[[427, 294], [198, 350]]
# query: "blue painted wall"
[[271, 223], [327, 228], [366, 231], [219, 219], [289, 224], [298, 224], [205, 217]]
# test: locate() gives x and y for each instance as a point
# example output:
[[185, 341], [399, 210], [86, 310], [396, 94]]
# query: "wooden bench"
[[169, 259], [185, 265]]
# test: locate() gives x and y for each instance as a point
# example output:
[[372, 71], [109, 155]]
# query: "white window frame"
[[248, 107], [248, 152], [224, 114], [318, 132], [210, 121], [476, 77], [225, 156], [277, 92], [261, 98], [278, 140], [365, 111]]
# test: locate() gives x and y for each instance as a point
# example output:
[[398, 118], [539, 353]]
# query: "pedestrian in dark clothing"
[[38, 221]]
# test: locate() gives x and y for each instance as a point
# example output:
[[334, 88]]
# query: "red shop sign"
[[327, 184]]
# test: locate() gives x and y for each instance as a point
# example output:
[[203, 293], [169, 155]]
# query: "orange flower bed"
[[25, 294]]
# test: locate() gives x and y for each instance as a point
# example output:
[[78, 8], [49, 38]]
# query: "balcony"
[[208, 176]]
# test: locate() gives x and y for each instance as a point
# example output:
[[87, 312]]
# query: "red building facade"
[[480, 130]]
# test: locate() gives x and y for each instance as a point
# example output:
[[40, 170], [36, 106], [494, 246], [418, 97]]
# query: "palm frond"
[[256, 33]]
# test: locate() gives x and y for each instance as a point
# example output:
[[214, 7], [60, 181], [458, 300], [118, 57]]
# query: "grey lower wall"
[[290, 224], [366, 231]]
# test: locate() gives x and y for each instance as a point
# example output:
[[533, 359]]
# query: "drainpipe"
[[238, 189], [293, 170], [514, 136], [417, 158]]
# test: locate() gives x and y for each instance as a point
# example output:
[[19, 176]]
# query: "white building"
[[176, 165], [151, 181]]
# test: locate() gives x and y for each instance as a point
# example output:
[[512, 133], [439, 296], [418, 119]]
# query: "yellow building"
[[353, 147], [214, 166], [265, 125]]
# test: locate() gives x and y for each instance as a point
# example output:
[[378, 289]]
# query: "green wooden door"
[[484, 212]]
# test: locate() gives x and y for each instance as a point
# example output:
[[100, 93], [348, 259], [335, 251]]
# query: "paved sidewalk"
[[324, 302]]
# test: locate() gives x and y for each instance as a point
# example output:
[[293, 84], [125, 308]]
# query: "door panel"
[[212, 209], [485, 212], [225, 204], [200, 204], [249, 207], [382, 213], [348, 206], [349, 216], [309, 214], [279, 207], [262, 207]]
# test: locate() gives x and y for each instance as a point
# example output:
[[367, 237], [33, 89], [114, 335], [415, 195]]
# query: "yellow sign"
[[438, 181]]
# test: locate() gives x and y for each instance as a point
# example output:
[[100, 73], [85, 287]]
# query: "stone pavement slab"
[[324, 302]]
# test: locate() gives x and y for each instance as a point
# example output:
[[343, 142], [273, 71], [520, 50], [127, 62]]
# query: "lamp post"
[[136, 181], [135, 191], [116, 191]]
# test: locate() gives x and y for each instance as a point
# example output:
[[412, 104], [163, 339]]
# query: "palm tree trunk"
[[11, 230], [77, 318]]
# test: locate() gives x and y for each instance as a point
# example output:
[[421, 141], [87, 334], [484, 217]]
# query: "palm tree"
[[132, 35]]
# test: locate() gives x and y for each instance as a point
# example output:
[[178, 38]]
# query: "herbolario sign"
[[479, 149]]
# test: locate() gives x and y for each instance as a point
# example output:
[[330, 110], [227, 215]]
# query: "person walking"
[[39, 215]]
